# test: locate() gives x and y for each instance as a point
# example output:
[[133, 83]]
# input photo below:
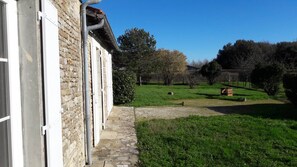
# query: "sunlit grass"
[[232, 140], [157, 95]]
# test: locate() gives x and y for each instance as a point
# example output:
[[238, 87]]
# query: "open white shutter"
[[52, 85], [96, 85]]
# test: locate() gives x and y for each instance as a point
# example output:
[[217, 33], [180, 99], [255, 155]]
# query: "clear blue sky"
[[199, 28]]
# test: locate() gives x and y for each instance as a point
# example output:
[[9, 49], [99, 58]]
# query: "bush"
[[192, 79], [268, 77], [123, 86], [290, 85], [211, 71]]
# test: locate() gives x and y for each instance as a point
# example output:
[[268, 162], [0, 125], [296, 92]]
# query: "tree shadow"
[[153, 83], [242, 87], [235, 97], [271, 111], [209, 94], [238, 94]]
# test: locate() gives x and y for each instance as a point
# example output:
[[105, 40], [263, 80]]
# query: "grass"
[[260, 132], [231, 140], [157, 95]]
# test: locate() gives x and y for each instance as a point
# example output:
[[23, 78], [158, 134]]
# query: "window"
[[4, 94], [11, 146]]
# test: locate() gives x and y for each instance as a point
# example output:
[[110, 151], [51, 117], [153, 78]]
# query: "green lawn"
[[259, 132], [157, 95], [232, 140]]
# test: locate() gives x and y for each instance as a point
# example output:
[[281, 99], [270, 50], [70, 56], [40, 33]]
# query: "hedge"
[[123, 87]]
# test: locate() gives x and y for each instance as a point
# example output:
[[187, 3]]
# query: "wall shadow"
[[271, 111]]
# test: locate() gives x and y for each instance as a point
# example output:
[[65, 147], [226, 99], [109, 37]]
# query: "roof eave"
[[98, 14]]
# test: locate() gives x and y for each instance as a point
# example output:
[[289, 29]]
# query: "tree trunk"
[[140, 81]]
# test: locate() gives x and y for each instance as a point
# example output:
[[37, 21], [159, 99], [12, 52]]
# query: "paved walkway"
[[117, 147]]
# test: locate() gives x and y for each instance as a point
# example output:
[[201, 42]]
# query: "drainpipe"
[[85, 32]]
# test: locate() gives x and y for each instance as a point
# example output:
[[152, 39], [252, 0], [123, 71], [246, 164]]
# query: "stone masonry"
[[71, 82], [72, 98]]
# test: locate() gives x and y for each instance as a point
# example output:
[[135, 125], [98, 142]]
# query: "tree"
[[192, 78], [211, 71], [286, 53], [244, 54], [198, 64], [138, 47], [170, 63], [268, 51], [268, 77], [290, 85]]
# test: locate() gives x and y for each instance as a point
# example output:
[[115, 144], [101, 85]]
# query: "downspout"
[[85, 32]]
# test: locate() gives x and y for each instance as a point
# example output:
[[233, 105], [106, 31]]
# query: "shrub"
[[268, 77], [211, 71], [123, 86], [192, 79], [290, 85]]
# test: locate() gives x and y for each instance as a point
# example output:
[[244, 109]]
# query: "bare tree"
[[170, 64], [199, 63]]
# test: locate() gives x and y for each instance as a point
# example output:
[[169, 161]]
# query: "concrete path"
[[147, 113], [117, 147]]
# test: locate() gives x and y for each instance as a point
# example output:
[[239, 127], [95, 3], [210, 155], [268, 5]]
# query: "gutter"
[[85, 32], [110, 38]]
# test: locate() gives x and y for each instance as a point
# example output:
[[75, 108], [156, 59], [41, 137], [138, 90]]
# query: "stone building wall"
[[71, 66], [71, 82]]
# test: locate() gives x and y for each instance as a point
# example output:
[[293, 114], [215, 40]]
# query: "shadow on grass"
[[242, 87], [235, 97], [271, 111], [237, 94], [153, 83], [209, 94]]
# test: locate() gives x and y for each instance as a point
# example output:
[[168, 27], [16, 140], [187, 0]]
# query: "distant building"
[[192, 69]]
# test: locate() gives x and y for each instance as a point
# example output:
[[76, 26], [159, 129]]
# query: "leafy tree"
[[268, 51], [138, 47], [286, 53], [211, 71], [268, 77], [170, 63], [243, 54], [290, 85]]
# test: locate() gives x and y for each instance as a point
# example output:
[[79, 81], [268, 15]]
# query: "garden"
[[257, 125], [260, 131]]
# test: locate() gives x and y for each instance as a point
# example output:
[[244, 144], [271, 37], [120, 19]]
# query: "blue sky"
[[199, 28]]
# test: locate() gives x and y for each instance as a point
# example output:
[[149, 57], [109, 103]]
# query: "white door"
[[11, 146], [52, 89], [97, 86]]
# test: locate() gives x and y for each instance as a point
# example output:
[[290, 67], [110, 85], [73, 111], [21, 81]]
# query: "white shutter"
[[52, 86], [96, 85], [109, 83]]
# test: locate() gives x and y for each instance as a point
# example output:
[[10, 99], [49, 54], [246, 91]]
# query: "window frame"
[[12, 51]]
